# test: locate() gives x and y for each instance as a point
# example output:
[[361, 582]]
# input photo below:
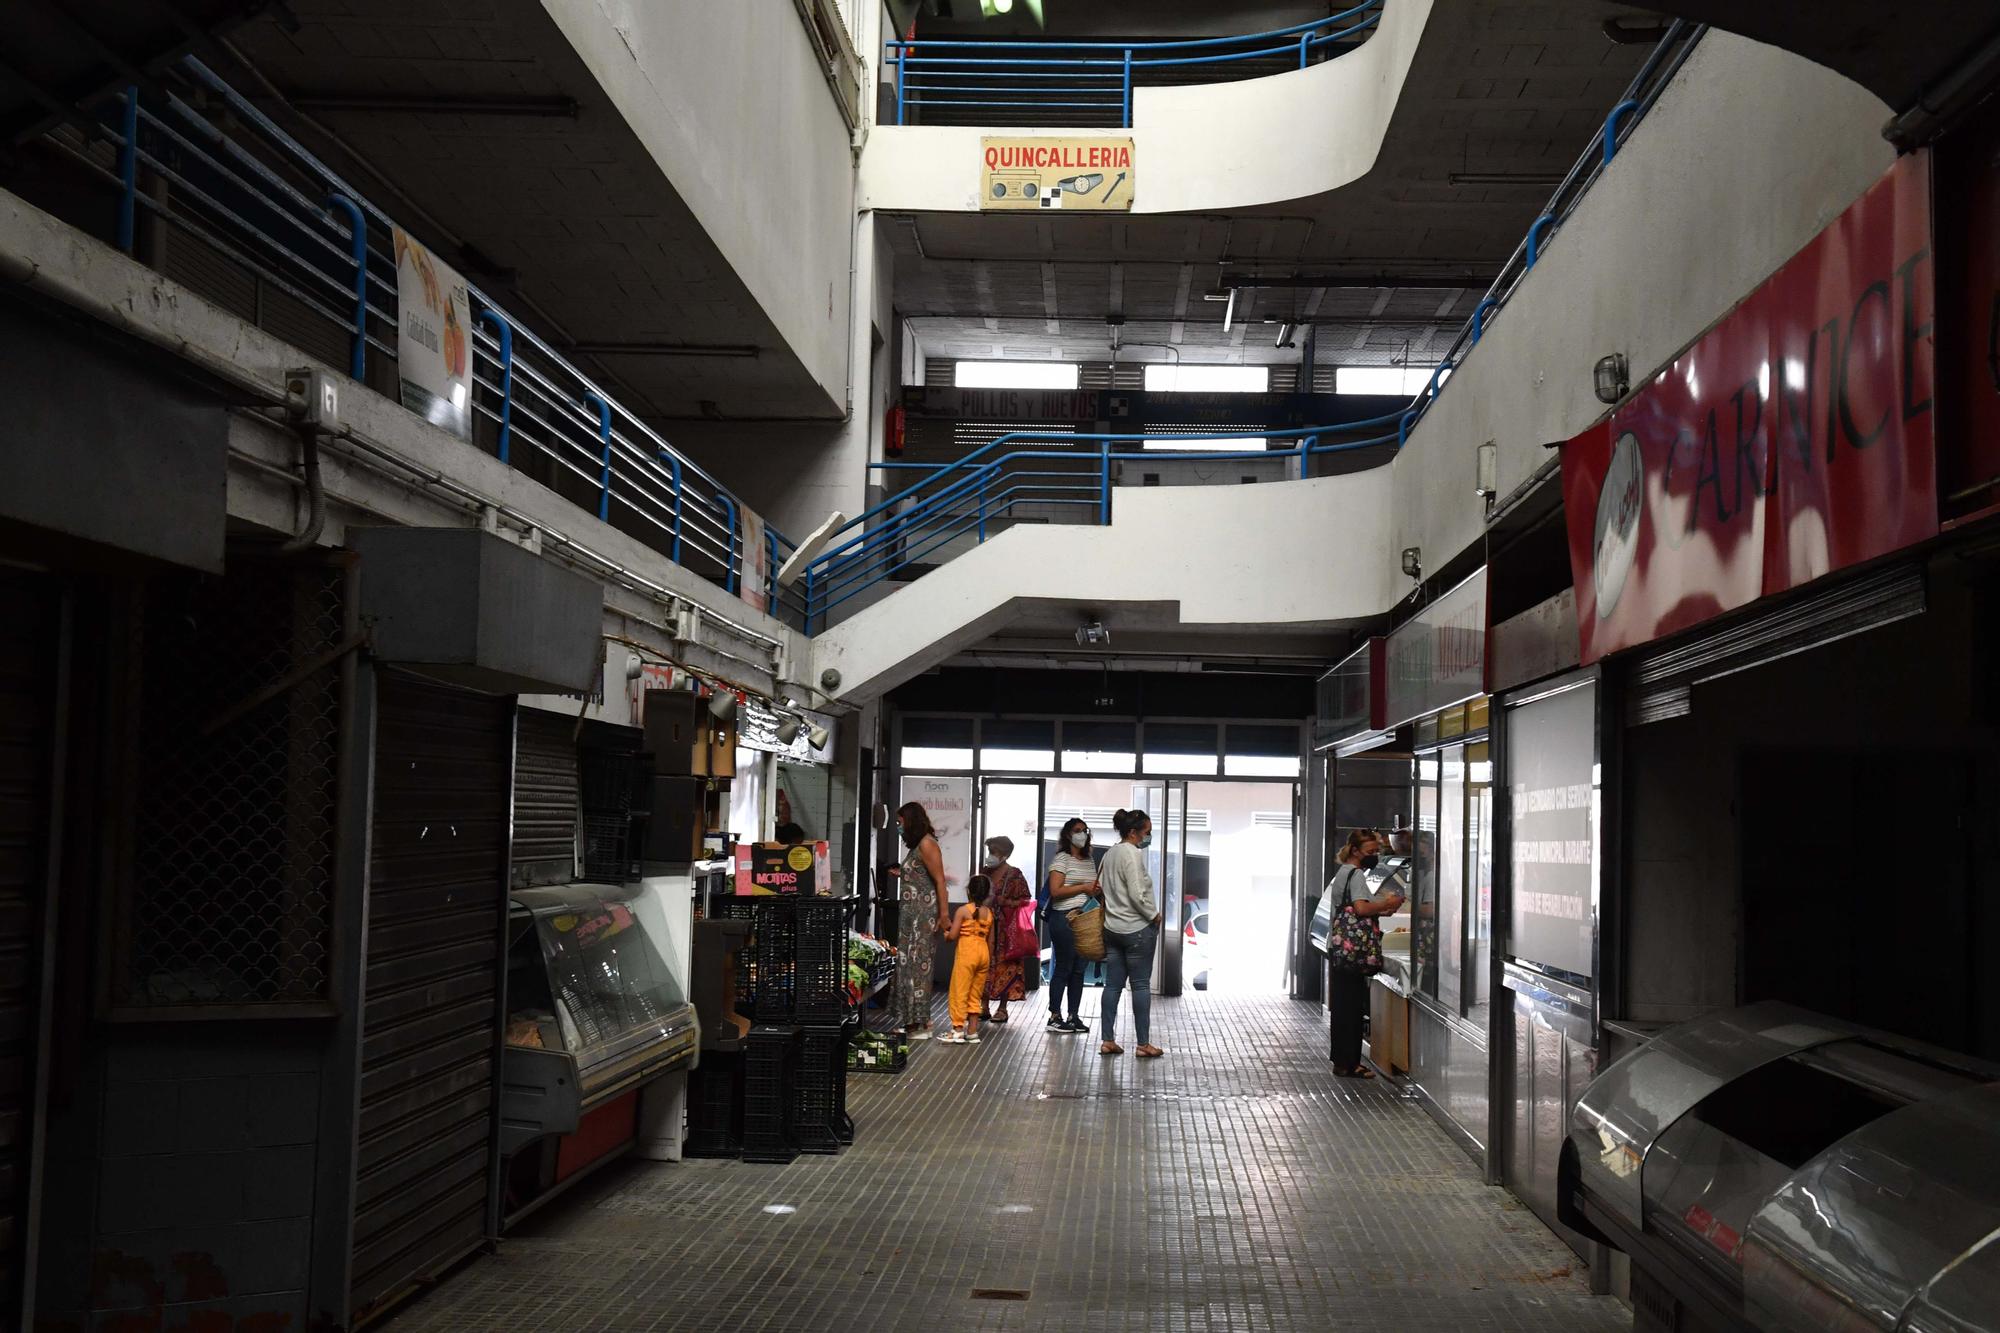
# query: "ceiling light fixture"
[[1229, 311], [1285, 331], [1504, 178], [1612, 377]]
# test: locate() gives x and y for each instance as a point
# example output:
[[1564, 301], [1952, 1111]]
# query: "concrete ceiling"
[[1511, 89], [1896, 49], [477, 126]]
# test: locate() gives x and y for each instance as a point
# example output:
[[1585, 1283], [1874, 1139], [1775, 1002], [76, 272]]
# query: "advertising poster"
[[948, 801], [1045, 171], [1552, 757], [433, 338], [1794, 439], [756, 557]]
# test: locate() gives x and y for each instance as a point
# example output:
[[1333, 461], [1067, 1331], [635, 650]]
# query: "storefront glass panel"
[[1424, 878], [1451, 878], [1479, 863]]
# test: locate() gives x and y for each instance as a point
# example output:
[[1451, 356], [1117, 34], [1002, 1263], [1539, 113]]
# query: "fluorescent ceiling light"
[[1014, 374], [1387, 381], [1198, 444], [1207, 379]]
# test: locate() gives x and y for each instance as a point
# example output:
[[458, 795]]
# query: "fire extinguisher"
[[893, 427]]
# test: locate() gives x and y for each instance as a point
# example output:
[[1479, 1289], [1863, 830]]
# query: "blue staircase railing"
[[223, 176], [968, 498], [1089, 83]]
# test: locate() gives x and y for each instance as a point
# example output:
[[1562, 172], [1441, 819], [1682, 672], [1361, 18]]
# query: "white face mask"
[[990, 861], [1079, 840]]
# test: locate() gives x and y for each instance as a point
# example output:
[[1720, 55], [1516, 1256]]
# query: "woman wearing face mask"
[[1007, 978], [923, 917], [1072, 884], [1131, 930], [1347, 988]]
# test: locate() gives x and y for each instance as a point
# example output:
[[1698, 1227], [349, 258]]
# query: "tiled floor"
[[1234, 1185]]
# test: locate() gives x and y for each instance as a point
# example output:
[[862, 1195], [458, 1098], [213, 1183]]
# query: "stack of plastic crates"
[[715, 1106], [768, 1066], [820, 1123]]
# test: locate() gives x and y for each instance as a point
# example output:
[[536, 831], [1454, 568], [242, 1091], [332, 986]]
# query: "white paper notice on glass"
[[433, 337], [948, 802]]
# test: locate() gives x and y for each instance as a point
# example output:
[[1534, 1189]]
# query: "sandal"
[[1111, 1048], [1150, 1052], [1359, 1071], [997, 1018]]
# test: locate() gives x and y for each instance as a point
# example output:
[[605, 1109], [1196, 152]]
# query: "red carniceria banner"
[[1794, 439]]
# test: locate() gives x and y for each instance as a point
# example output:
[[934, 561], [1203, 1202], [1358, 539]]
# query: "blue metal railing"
[[1089, 82], [957, 502], [193, 155]]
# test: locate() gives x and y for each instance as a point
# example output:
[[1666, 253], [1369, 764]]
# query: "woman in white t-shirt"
[[1072, 883]]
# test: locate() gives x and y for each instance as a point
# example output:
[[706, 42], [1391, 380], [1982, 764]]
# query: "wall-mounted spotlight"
[[1413, 562], [1612, 377], [817, 738], [723, 706], [788, 730]]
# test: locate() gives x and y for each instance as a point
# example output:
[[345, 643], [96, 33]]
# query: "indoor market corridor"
[[1234, 1185]]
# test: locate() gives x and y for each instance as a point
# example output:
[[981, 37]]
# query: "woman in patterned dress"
[[1008, 978], [924, 916]]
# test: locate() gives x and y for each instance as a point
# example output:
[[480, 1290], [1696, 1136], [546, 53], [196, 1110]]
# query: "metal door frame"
[[1041, 817]]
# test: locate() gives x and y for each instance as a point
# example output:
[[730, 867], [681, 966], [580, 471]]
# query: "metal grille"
[[239, 685]]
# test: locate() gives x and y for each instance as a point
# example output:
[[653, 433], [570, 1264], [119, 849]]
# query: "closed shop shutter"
[[1662, 682], [27, 705], [431, 1008], [545, 799]]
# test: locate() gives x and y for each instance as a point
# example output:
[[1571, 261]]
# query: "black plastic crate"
[[607, 848], [891, 1051], [768, 1054], [819, 1089], [819, 960], [715, 1107], [616, 782], [775, 949]]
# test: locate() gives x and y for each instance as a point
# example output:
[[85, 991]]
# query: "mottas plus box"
[[776, 867]]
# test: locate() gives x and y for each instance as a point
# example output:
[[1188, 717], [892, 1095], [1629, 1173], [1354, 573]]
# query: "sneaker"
[[953, 1039], [970, 1039], [1075, 1025], [1056, 1023]]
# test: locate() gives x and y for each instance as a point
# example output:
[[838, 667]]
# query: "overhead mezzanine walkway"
[[1028, 1183]]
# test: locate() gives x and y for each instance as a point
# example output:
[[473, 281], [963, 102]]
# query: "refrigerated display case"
[[598, 1008], [1770, 1168]]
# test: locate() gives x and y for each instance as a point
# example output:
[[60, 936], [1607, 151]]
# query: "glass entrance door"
[[1166, 860], [1012, 808]]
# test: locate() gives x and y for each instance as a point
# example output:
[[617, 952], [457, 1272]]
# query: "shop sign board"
[[1061, 405], [1438, 657], [1553, 821], [948, 802], [1351, 698], [1794, 439], [753, 582], [1093, 173], [433, 337]]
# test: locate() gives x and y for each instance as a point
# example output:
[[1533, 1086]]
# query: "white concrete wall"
[[730, 100], [1228, 555], [1199, 148], [1746, 158]]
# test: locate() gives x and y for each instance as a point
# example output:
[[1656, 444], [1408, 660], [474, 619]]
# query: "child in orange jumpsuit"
[[972, 927]]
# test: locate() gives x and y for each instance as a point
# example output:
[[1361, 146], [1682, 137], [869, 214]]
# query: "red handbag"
[[1022, 938]]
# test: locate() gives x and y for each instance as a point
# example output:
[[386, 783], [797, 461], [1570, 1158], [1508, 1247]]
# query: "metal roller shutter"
[[431, 1015], [546, 799], [27, 705], [1661, 683]]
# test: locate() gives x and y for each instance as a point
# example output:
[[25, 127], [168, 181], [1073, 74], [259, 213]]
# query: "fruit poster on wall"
[[433, 337]]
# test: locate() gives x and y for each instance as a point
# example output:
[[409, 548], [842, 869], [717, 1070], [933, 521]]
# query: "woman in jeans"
[[1131, 930], [1072, 884]]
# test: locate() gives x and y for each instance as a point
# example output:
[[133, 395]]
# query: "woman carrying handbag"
[[1007, 979], [1354, 949]]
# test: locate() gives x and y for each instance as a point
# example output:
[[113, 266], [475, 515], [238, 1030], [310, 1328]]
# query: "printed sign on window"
[[433, 337]]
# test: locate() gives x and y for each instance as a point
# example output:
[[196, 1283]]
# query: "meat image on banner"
[[1794, 439], [1044, 171], [433, 337]]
